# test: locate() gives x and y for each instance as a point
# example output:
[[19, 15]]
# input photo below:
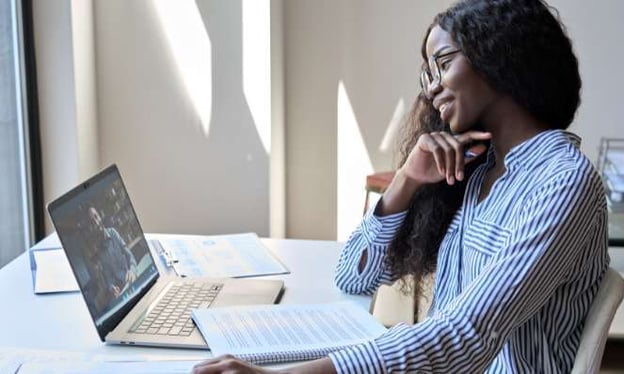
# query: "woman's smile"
[[446, 111]]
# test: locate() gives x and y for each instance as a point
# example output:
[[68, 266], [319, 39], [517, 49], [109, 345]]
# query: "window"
[[17, 228]]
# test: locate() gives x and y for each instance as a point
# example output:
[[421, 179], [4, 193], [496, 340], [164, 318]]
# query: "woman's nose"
[[435, 87]]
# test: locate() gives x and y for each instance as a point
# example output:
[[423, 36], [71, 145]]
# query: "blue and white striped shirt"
[[516, 272]]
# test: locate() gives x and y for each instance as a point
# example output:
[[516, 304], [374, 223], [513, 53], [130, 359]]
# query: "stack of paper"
[[50, 268], [233, 255]]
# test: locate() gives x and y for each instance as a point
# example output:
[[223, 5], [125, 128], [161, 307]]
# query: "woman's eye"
[[444, 64]]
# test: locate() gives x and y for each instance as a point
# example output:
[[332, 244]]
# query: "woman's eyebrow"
[[441, 50]]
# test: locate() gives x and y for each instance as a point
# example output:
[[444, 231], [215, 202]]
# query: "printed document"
[[282, 333], [235, 255]]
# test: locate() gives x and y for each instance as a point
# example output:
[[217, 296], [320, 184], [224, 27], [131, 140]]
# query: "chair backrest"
[[597, 323], [391, 306]]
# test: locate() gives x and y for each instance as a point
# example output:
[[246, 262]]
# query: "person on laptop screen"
[[516, 233], [106, 246]]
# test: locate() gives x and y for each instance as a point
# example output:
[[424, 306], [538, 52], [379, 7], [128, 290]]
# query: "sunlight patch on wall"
[[257, 65], [389, 138], [354, 165], [192, 51]]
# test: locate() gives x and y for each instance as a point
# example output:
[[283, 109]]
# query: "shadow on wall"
[[176, 119], [352, 71]]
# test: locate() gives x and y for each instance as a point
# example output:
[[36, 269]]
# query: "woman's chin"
[[455, 127], [458, 128]]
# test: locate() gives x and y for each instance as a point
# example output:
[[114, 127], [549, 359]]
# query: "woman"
[[517, 236]]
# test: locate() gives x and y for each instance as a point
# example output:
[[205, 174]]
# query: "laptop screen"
[[104, 244]]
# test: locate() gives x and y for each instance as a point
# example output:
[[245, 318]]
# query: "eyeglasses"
[[428, 78]]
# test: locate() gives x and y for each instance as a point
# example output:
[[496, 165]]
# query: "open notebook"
[[265, 334]]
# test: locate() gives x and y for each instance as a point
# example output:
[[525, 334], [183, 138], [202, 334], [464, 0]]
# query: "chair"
[[597, 323], [391, 307]]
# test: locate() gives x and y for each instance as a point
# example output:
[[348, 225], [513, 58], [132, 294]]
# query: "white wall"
[[66, 83], [184, 175], [85, 87], [186, 181], [278, 127], [596, 31], [111, 90]]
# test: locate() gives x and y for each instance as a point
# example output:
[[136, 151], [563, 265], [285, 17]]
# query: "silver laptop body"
[[129, 299]]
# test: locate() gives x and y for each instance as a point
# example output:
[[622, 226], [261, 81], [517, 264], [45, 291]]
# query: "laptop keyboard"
[[172, 314]]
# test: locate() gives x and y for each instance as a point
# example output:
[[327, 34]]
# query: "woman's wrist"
[[397, 196], [320, 366]]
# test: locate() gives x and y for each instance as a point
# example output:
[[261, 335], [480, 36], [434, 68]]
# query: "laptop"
[[130, 300]]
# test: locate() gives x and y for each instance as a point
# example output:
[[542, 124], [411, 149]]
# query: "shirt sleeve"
[[124, 250], [547, 242], [373, 235]]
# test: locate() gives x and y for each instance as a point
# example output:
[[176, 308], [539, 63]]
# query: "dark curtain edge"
[[32, 108]]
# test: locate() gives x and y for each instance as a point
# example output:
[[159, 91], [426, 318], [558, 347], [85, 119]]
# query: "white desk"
[[62, 322]]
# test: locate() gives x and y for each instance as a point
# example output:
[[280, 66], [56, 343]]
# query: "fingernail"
[[460, 175]]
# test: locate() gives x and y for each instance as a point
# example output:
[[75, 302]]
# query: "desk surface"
[[62, 322]]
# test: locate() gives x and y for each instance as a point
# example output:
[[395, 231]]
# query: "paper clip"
[[165, 255]]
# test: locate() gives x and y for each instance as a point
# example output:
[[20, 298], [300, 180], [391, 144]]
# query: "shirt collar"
[[534, 150]]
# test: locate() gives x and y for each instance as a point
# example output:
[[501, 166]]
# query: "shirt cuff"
[[362, 358], [381, 230]]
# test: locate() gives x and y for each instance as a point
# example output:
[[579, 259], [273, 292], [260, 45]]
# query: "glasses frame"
[[428, 78]]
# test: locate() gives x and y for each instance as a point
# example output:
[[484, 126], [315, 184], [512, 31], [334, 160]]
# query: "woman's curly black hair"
[[521, 49]]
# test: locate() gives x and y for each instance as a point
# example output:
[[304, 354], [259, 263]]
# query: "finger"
[[458, 153], [470, 136], [449, 155], [214, 368], [215, 365], [212, 361]]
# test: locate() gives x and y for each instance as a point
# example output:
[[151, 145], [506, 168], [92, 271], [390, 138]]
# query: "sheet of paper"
[[249, 331], [96, 367], [9, 365], [32, 361], [236, 255], [54, 274]]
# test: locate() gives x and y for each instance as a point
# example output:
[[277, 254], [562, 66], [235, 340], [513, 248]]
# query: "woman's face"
[[462, 97]]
